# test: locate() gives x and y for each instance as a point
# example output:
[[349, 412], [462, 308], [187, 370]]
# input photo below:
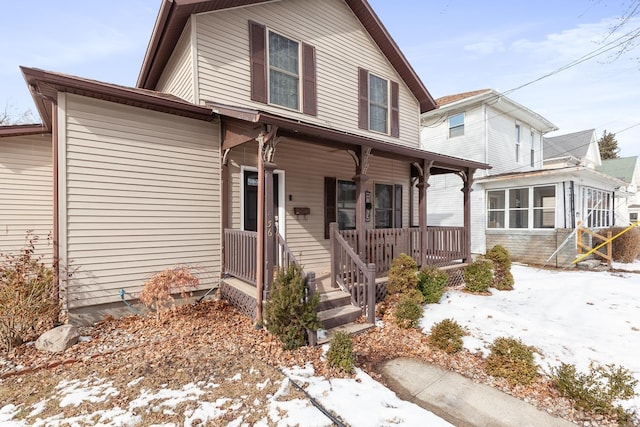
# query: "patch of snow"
[[92, 390], [634, 266]]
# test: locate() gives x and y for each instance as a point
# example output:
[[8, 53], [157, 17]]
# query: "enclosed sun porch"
[[339, 206]]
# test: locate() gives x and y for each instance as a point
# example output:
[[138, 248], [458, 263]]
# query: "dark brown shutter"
[[309, 98], [258, 52], [329, 203], [363, 98], [395, 110], [397, 206]]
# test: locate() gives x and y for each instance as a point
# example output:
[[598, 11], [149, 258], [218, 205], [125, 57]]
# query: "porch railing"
[[352, 274], [240, 254], [444, 245]]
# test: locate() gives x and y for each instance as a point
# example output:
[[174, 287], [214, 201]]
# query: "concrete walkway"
[[459, 400]]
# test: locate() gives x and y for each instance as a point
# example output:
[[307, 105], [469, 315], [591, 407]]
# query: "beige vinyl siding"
[[142, 195], [305, 166], [342, 45], [178, 76], [26, 192]]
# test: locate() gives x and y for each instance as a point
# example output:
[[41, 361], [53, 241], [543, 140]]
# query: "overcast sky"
[[454, 47]]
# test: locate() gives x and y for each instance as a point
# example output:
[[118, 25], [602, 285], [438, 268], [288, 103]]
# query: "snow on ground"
[[635, 266], [360, 402], [574, 317]]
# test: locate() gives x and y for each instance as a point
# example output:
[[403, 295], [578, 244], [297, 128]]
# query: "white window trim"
[[530, 209], [518, 138], [300, 65], [464, 116], [388, 123]]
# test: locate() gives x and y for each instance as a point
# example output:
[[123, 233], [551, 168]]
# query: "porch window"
[[456, 125], [284, 71], [519, 208], [598, 207], [528, 207], [388, 206], [495, 209], [346, 205], [544, 207]]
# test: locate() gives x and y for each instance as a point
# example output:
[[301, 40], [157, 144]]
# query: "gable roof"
[[174, 14], [44, 86], [448, 99], [459, 101], [622, 168], [574, 144]]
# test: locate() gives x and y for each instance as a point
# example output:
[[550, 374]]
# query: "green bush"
[[340, 354], [502, 277], [432, 283], [402, 275], [288, 312], [625, 248], [447, 335], [596, 390], [28, 301], [512, 359], [478, 276], [409, 309]]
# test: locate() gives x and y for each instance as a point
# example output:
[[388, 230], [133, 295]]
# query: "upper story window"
[[533, 150], [284, 71], [518, 135], [378, 104], [456, 125]]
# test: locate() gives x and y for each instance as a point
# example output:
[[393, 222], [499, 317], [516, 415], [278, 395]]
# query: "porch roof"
[[174, 14], [22, 130], [334, 138], [552, 173]]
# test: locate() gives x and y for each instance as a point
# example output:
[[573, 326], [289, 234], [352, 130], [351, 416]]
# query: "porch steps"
[[333, 299], [350, 328], [339, 316]]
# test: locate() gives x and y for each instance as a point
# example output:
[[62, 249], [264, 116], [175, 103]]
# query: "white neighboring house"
[[627, 202], [519, 204]]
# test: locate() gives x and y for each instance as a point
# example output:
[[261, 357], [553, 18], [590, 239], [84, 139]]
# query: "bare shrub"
[[157, 292], [28, 303], [626, 247]]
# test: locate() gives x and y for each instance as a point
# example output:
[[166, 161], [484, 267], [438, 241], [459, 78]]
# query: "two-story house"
[[518, 203], [258, 132]]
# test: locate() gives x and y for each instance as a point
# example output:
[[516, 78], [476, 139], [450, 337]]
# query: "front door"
[[250, 214]]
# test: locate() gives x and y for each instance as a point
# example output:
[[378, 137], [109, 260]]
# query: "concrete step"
[[333, 299], [339, 316], [349, 328]]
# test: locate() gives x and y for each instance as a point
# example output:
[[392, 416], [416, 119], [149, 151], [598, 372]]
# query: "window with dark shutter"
[[395, 110], [309, 98], [363, 98], [397, 206], [329, 203], [257, 47]]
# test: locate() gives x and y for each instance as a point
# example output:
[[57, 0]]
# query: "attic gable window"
[[456, 125], [378, 104], [283, 71]]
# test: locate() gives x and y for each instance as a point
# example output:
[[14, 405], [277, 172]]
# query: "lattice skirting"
[[243, 302], [381, 291], [455, 275]]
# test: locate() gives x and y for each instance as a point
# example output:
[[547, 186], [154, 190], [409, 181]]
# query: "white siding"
[[470, 146], [342, 45], [178, 76], [305, 166], [26, 192], [142, 195]]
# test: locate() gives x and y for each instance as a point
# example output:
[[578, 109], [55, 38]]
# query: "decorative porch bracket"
[[467, 179], [265, 241]]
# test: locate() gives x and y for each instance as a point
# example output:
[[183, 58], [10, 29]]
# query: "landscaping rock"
[[58, 339]]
